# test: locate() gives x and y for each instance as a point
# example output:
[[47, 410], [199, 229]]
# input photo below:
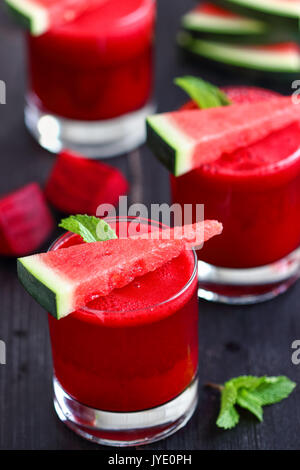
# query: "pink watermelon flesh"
[[25, 221], [221, 130], [276, 147], [189, 138], [249, 94], [77, 274], [193, 235], [240, 95], [284, 47], [78, 185], [112, 264], [260, 156], [83, 272]]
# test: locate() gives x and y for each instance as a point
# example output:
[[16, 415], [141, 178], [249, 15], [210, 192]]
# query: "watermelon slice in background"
[[278, 145], [240, 94], [184, 140], [279, 59], [216, 23], [78, 186], [67, 279], [25, 221], [212, 22], [41, 15], [280, 13]]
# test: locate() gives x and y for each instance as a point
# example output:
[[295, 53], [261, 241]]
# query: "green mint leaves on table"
[[203, 93], [251, 393], [90, 228]]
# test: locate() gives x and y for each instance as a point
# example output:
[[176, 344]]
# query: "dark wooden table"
[[233, 340]]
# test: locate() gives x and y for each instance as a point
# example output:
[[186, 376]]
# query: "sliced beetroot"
[[25, 221], [78, 185]]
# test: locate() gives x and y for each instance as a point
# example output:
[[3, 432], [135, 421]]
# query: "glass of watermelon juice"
[[125, 367], [90, 80], [255, 193]]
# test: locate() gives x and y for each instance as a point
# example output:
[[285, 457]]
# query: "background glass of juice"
[[255, 194], [125, 367], [90, 81]]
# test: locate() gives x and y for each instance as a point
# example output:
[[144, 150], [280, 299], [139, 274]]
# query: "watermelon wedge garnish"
[[67, 279], [41, 15], [25, 221], [78, 185], [193, 235], [184, 140]]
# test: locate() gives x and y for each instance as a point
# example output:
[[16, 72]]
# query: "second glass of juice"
[[125, 367], [255, 193], [90, 80]]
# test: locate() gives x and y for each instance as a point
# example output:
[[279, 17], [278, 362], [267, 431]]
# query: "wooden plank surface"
[[233, 341]]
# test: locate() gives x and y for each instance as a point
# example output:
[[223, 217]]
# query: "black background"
[[233, 340]]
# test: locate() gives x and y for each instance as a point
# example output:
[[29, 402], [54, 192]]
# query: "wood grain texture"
[[233, 341]]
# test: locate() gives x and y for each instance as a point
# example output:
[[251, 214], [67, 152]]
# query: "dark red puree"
[[254, 192], [98, 66], [134, 349]]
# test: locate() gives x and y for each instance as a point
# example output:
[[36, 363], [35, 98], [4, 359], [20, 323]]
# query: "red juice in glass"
[[255, 193], [126, 366], [93, 78]]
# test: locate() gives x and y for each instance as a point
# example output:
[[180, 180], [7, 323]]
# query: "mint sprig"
[[203, 93], [228, 416], [90, 228], [251, 393]]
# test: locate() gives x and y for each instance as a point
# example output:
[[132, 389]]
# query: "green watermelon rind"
[[171, 146], [234, 30], [287, 16], [239, 56], [198, 21], [32, 16], [245, 39], [45, 286]]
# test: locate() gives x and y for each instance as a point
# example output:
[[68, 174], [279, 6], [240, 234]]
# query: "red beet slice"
[[25, 221], [78, 185]]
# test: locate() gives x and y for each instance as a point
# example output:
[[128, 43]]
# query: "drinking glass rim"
[[258, 173], [137, 15], [94, 312]]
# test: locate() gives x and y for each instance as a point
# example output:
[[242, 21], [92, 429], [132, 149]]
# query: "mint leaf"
[[274, 389], [203, 93], [228, 416], [250, 402], [252, 393], [90, 228], [250, 382]]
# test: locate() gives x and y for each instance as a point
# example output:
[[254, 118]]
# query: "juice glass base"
[[248, 286], [94, 139], [125, 429]]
